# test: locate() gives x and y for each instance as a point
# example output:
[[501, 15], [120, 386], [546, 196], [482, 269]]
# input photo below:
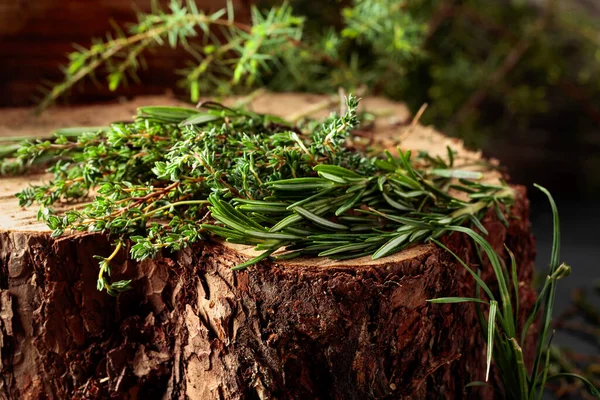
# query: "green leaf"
[[345, 249], [200, 119], [166, 113], [507, 312], [456, 173], [549, 297], [264, 208], [271, 235], [515, 278], [477, 223], [397, 205], [121, 286], [392, 246], [332, 177], [301, 184], [500, 214], [315, 196], [319, 220], [450, 156], [253, 261], [448, 300], [194, 91], [287, 221], [113, 80], [337, 170], [490, 337], [405, 220], [521, 368], [349, 203]]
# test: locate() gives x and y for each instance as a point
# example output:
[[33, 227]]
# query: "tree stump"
[[192, 329]]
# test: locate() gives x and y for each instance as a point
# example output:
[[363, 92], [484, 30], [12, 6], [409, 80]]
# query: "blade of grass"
[[480, 283], [490, 337], [449, 300], [507, 312], [514, 278], [549, 299], [521, 369]]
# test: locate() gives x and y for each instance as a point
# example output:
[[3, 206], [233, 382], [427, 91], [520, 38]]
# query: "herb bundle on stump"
[[255, 258]]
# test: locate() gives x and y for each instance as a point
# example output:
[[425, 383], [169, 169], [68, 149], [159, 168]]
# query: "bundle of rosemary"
[[176, 175]]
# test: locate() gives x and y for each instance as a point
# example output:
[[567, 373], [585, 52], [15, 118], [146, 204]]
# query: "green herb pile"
[[177, 175]]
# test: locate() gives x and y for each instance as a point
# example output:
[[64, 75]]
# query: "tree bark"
[[192, 328]]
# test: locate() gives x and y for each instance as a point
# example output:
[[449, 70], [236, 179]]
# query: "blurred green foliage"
[[481, 65]]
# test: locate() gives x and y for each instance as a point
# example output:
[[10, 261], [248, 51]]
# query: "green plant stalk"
[[549, 303], [508, 355], [116, 46]]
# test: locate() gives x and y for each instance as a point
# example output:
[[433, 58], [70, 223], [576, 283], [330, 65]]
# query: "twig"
[[414, 123], [249, 99], [320, 106]]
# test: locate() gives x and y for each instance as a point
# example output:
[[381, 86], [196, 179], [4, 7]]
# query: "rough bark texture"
[[192, 328]]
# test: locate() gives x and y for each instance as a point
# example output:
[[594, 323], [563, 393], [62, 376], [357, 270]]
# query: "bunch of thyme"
[[176, 175]]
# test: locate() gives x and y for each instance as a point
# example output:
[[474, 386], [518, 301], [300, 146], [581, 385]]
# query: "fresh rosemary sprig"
[[176, 175]]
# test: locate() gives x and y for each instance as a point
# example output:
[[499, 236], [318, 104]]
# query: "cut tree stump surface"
[[192, 328]]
